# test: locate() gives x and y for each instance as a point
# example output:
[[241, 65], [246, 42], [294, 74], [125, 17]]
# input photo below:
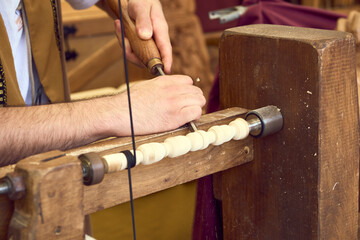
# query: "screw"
[[57, 230], [246, 150]]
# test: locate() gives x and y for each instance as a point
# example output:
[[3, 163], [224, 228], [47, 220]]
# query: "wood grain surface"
[[303, 182], [52, 207]]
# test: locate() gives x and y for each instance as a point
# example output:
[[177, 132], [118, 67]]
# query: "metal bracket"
[[70, 54], [227, 14]]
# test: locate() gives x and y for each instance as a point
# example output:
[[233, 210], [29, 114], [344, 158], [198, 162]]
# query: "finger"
[[130, 55], [182, 101], [195, 90], [190, 113], [118, 29], [175, 80], [183, 90], [190, 89], [161, 36], [140, 12]]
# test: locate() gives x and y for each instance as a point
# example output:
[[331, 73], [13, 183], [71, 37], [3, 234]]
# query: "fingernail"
[[145, 33]]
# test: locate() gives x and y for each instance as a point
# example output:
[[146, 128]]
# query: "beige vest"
[[45, 30]]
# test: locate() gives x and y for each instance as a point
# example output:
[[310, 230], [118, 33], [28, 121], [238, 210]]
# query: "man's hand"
[[150, 22], [161, 104], [130, 55]]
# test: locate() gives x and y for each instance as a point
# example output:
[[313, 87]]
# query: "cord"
[[131, 118]]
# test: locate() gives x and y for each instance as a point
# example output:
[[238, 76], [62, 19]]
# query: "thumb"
[[140, 12]]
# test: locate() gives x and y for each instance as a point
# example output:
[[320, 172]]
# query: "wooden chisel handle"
[[146, 50]]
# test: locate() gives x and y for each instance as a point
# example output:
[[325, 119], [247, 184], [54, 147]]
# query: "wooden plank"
[[58, 182], [303, 182], [91, 21], [94, 65], [168, 172]]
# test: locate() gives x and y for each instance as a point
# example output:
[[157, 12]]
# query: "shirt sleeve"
[[82, 4]]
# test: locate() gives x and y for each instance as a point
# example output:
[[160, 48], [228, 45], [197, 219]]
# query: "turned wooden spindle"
[[172, 147]]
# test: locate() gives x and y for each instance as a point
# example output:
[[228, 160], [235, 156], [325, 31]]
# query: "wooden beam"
[[54, 182], [94, 65], [168, 172], [304, 181], [91, 21]]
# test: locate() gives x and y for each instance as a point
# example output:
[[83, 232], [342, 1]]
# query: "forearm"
[[29, 130], [160, 104]]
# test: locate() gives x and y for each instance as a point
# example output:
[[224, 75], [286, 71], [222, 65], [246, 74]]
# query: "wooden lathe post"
[[53, 204], [303, 182]]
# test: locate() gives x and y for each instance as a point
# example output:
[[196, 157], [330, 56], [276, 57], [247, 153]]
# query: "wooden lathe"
[[299, 183]]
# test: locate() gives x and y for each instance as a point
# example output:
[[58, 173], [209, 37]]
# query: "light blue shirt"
[[13, 21], [16, 34]]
